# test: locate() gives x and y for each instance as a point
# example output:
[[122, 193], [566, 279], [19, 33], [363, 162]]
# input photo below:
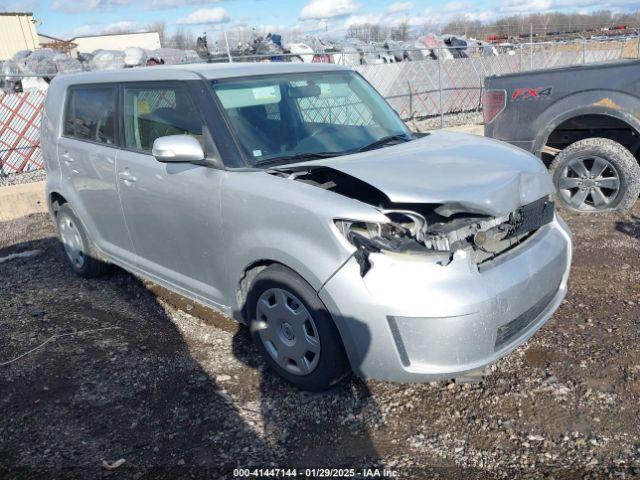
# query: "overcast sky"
[[68, 18]]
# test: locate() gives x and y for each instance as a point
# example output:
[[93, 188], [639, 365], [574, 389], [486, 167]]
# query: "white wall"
[[147, 40]]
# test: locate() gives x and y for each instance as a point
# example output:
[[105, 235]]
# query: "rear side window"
[[154, 112], [90, 114]]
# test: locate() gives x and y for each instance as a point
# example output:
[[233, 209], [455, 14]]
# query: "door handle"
[[66, 158], [126, 176]]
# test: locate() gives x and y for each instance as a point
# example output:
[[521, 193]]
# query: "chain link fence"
[[446, 86], [443, 85]]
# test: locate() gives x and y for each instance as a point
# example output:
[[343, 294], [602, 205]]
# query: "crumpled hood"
[[464, 172]]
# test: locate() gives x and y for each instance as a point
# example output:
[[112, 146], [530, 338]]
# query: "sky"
[[69, 18]]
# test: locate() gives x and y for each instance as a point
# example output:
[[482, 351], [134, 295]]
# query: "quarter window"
[[151, 113], [91, 115]]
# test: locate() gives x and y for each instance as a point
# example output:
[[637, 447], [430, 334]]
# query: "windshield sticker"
[[257, 153], [248, 97], [325, 90], [265, 94]]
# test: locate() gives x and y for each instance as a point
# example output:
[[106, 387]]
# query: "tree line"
[[541, 24], [514, 26]]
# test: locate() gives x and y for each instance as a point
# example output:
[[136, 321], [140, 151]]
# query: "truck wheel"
[[76, 245], [294, 331], [596, 175]]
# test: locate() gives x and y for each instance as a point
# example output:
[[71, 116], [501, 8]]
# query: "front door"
[[171, 210]]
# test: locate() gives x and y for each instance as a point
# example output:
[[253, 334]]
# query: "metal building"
[[17, 32]]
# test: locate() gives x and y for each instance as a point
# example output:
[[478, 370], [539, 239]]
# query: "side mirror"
[[178, 149]]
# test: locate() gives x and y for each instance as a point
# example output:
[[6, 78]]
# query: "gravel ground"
[[177, 391], [19, 178], [450, 120]]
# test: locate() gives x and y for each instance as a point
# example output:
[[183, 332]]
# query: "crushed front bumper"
[[411, 320]]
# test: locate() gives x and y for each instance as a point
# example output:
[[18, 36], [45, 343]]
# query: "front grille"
[[531, 217], [514, 328], [522, 223]]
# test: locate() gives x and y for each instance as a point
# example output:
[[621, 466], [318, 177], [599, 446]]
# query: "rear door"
[[171, 209], [87, 151]]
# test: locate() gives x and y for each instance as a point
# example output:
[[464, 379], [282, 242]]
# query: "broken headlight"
[[403, 232]]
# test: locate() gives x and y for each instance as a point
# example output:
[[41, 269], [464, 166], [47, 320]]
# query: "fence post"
[[410, 99], [584, 51], [531, 46], [638, 56], [439, 50], [480, 81], [226, 40], [521, 48]]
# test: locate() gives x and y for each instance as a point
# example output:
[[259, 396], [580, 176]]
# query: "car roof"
[[196, 71]]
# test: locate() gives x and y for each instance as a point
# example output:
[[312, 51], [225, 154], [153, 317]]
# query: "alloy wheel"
[[588, 184]]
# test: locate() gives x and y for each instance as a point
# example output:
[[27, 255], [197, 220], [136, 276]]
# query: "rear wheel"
[[76, 245], [596, 175], [293, 330]]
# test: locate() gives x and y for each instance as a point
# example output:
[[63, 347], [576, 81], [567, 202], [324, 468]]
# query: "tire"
[[581, 171], [76, 245], [278, 335]]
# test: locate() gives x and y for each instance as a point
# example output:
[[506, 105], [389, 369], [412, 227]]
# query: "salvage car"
[[293, 198], [586, 132]]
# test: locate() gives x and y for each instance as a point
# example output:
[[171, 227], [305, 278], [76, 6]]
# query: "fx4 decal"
[[528, 93]]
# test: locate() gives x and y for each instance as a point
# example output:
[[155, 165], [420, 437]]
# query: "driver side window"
[[154, 112]]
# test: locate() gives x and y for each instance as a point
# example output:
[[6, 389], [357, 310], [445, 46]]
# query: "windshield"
[[284, 118]]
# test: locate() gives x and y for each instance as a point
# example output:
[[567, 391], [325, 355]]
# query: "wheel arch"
[[249, 274], [591, 103], [251, 270], [55, 200]]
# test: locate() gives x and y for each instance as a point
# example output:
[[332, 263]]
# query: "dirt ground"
[[177, 392]]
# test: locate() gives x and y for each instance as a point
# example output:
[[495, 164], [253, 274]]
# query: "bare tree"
[[544, 24], [368, 32], [401, 32], [182, 39], [160, 27]]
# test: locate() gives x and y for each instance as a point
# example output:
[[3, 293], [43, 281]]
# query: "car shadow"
[[130, 388], [631, 228], [316, 430], [127, 388]]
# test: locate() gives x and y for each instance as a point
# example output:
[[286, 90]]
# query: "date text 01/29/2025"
[[314, 473]]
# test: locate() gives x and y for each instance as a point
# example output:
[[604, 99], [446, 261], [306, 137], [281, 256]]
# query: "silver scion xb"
[[293, 198]]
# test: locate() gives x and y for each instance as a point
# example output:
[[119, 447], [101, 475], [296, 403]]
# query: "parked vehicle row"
[[349, 52]]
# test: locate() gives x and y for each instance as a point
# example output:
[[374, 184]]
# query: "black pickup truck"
[[582, 121]]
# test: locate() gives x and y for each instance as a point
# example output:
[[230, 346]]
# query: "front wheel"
[[596, 175], [293, 330]]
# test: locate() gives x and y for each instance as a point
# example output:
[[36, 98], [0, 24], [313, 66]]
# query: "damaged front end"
[[436, 230], [484, 237]]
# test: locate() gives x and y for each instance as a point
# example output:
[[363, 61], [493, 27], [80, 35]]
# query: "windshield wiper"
[[298, 157], [384, 140]]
